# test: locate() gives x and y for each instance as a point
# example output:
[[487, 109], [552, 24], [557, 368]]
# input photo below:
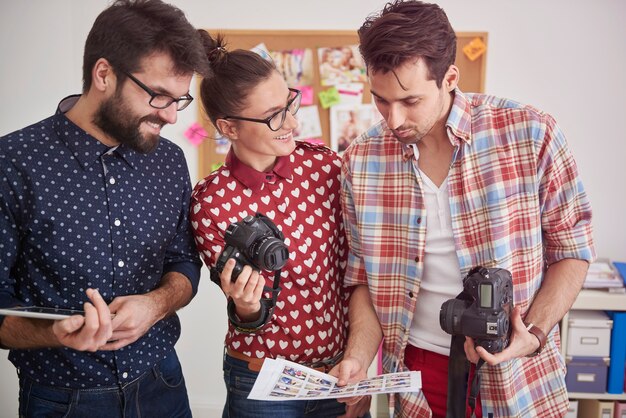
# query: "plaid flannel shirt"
[[516, 202]]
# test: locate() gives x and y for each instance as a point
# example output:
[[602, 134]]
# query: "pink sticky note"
[[314, 141], [307, 95], [196, 134]]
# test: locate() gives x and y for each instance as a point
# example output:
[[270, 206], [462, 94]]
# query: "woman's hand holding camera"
[[246, 291]]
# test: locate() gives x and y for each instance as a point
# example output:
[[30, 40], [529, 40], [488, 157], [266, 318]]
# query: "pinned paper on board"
[[195, 134], [295, 65], [314, 141], [340, 65], [329, 97], [347, 122], [222, 144], [350, 93], [307, 95], [309, 126], [474, 49], [262, 50]]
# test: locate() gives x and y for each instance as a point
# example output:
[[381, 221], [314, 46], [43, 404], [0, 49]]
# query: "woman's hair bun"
[[215, 48]]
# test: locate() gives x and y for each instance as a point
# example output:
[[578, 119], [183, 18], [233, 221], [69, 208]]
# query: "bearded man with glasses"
[[94, 216]]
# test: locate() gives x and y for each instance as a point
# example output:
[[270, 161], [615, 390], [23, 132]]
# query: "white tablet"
[[40, 312]]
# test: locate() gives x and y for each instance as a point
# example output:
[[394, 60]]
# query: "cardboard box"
[[586, 374], [591, 408], [589, 334]]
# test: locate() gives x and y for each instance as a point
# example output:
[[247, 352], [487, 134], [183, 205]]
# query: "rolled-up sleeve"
[[566, 210]]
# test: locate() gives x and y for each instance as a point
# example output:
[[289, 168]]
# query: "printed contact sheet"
[[283, 380]]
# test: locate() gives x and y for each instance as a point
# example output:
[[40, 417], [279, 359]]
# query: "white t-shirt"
[[441, 279]]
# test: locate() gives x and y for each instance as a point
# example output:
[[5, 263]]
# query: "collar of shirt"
[[86, 148], [253, 179], [459, 121], [459, 126]]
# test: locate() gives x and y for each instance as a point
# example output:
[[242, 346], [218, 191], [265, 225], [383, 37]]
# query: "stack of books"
[[603, 274]]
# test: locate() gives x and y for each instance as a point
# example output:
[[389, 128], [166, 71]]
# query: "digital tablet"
[[40, 312]]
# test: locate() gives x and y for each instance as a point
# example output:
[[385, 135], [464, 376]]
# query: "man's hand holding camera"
[[245, 291], [521, 344]]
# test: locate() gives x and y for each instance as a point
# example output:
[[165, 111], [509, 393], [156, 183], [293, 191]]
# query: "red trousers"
[[434, 368]]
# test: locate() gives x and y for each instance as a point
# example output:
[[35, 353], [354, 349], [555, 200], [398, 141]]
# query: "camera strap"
[[458, 381], [267, 309], [275, 290], [458, 374], [475, 386]]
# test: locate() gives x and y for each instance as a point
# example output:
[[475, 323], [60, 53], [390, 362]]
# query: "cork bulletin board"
[[470, 58]]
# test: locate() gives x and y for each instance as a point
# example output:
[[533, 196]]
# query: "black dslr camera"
[[482, 310], [255, 241]]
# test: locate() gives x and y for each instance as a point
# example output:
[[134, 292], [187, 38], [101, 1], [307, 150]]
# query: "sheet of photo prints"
[[283, 380]]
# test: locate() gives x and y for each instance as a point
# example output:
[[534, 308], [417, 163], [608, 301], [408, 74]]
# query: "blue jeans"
[[239, 381], [160, 392]]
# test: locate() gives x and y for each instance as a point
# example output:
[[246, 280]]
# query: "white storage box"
[[589, 334], [572, 411]]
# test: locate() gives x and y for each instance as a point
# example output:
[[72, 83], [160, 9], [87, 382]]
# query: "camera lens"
[[450, 315], [270, 254]]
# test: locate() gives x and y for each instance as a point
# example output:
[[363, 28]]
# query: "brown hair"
[[130, 30], [233, 74], [408, 30]]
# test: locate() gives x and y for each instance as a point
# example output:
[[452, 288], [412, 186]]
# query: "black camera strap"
[[267, 309], [475, 386], [458, 380], [274, 290], [458, 375]]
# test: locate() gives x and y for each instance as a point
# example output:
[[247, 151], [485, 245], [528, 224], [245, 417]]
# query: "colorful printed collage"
[[281, 380]]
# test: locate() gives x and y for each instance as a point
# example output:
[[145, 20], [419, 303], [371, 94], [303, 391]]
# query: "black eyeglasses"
[[161, 101], [276, 120]]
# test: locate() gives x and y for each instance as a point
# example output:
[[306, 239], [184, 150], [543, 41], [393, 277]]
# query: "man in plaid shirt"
[[448, 181]]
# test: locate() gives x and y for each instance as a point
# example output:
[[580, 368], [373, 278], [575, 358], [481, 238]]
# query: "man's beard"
[[116, 120]]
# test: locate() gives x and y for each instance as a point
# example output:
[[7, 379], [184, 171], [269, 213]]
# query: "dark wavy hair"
[[233, 75], [405, 31], [130, 30]]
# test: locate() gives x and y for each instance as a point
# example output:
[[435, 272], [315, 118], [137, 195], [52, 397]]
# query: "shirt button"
[[124, 375], [418, 220], [120, 263], [117, 222], [417, 259], [112, 180], [411, 295]]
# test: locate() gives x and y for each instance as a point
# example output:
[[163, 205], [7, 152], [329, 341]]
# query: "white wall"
[[564, 56]]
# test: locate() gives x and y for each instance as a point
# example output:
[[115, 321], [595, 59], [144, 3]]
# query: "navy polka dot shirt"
[[76, 214]]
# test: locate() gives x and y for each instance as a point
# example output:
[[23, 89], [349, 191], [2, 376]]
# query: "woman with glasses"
[[296, 186]]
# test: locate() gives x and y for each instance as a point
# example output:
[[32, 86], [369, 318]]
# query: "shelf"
[[599, 396], [594, 300], [600, 299]]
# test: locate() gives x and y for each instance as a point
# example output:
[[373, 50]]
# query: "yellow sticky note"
[[329, 97], [474, 49]]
